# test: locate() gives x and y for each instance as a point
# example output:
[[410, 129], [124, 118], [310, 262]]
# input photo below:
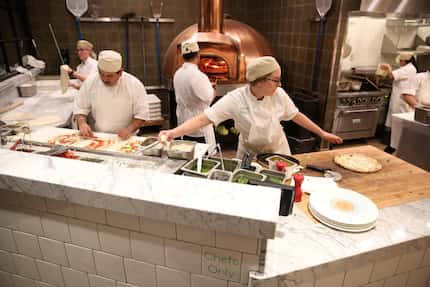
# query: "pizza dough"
[[357, 162]]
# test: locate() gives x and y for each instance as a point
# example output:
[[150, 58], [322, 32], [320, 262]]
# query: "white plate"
[[327, 221], [344, 207]]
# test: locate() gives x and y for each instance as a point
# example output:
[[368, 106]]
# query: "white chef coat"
[[87, 68], [258, 121], [421, 88], [112, 108], [401, 85], [194, 93]]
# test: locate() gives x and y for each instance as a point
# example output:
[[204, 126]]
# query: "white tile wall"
[[234, 284], [249, 263], [73, 278], [90, 213], [98, 281], [204, 281], [50, 273], [53, 251], [221, 263], [167, 277], [183, 256], [396, 281], [122, 284], [5, 279], [19, 281], [60, 207], [379, 283], [140, 273], [27, 244], [55, 227], [385, 268], [335, 280], [23, 220], [84, 233], [358, 276], [110, 266], [426, 259], [80, 258], [32, 201], [195, 235], [42, 284], [122, 220], [159, 228], [6, 262], [114, 240], [6, 239], [147, 248], [410, 261], [419, 277], [236, 242], [26, 266]]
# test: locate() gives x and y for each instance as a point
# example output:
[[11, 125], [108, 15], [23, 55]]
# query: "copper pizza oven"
[[225, 45]]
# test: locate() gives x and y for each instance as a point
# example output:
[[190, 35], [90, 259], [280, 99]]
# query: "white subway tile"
[[236, 242], [21, 219], [84, 233], [159, 228], [221, 263], [114, 240], [358, 276], [60, 207], [42, 284], [53, 251], [55, 227], [426, 259], [19, 281], [272, 282], [235, 284], [6, 240], [204, 281], [50, 273], [410, 261], [6, 262], [384, 269], [80, 258], [379, 283], [335, 280], [147, 248], [74, 278], [27, 244], [249, 263], [6, 279], [398, 280], [122, 220], [122, 284], [195, 235], [419, 277], [32, 201], [183, 256], [25, 266], [110, 266], [8, 218], [98, 281], [167, 277], [8, 198], [93, 214], [140, 273]]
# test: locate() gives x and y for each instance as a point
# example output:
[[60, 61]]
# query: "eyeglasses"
[[277, 81]]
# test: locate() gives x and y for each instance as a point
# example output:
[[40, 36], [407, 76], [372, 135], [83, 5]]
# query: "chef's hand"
[[331, 138], [166, 136], [385, 67], [124, 133], [68, 69], [85, 130]]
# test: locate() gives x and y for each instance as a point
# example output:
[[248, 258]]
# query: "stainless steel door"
[[356, 123]]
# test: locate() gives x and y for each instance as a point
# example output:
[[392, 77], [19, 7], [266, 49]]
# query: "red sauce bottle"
[[298, 180]]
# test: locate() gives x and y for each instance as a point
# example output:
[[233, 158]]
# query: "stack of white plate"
[[154, 104], [344, 209]]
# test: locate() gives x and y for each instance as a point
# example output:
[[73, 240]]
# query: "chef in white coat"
[[194, 92], [115, 99], [257, 110], [87, 66], [420, 92]]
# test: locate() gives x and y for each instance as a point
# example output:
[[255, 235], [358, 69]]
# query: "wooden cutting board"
[[11, 106]]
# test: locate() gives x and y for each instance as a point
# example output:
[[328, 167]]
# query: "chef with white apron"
[[422, 88], [194, 92], [115, 99], [257, 110]]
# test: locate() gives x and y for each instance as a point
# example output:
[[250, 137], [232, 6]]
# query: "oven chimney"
[[211, 16]]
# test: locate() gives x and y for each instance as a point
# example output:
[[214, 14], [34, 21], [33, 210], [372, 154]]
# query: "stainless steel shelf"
[[130, 20]]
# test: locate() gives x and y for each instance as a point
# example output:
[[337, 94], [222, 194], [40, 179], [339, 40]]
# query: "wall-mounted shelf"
[[130, 20]]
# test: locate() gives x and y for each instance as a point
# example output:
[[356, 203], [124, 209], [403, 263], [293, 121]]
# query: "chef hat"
[[84, 44], [110, 61], [190, 46], [404, 56], [260, 67]]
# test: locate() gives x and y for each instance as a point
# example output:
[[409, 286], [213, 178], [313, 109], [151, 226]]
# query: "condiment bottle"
[[298, 180]]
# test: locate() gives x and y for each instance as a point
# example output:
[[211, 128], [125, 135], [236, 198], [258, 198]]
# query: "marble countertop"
[[221, 206]]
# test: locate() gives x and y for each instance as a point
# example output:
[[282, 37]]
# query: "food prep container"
[[181, 149], [273, 176], [27, 90], [207, 166], [229, 164], [243, 176], [221, 175]]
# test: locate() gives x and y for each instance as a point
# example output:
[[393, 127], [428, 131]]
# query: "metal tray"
[[173, 152], [250, 175], [221, 175], [229, 164], [154, 151], [273, 176], [207, 166]]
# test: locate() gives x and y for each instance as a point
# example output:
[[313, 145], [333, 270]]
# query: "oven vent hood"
[[413, 8]]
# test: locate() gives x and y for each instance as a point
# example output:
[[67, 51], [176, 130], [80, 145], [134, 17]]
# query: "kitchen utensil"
[[147, 147], [55, 150], [326, 171], [77, 8], [207, 166], [51, 28], [199, 164], [27, 89], [126, 18], [356, 85], [156, 13], [220, 155], [246, 162], [142, 33], [422, 114], [262, 158]]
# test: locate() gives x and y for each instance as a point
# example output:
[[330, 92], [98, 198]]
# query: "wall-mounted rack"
[[130, 20]]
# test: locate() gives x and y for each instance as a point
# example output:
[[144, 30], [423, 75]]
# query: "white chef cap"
[[404, 56], [260, 67], [190, 46], [110, 61], [84, 44]]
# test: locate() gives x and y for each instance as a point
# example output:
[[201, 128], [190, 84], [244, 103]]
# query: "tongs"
[[142, 149], [55, 150]]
